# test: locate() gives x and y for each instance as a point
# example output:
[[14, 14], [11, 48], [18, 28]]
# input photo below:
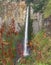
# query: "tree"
[[29, 1], [39, 6]]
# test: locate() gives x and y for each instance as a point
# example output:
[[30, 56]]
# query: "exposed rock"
[[15, 10], [37, 22]]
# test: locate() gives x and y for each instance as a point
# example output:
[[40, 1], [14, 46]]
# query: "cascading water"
[[25, 53]]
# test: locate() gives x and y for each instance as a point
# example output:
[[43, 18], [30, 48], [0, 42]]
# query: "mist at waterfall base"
[[26, 52]]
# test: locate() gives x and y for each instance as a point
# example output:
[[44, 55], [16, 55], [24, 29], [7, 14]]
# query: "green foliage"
[[8, 63], [0, 51], [29, 1], [38, 7], [40, 38], [47, 11], [42, 46], [12, 39], [40, 63]]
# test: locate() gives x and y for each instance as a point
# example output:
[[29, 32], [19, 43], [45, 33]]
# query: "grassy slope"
[[41, 44]]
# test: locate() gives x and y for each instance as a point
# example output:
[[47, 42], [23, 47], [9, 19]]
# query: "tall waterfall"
[[25, 53]]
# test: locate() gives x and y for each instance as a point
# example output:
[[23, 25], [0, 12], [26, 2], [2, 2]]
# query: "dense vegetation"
[[47, 11], [40, 50], [40, 43], [39, 5]]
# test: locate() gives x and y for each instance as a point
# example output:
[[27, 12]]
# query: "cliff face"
[[21, 12], [14, 10]]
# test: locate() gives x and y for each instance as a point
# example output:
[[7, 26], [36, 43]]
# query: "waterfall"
[[25, 53]]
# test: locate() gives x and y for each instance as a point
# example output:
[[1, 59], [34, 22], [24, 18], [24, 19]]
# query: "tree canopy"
[[39, 5], [47, 11]]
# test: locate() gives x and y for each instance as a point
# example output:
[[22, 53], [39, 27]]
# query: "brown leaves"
[[5, 54], [23, 61], [45, 35], [9, 61], [4, 61], [39, 56], [2, 29], [19, 50], [30, 44]]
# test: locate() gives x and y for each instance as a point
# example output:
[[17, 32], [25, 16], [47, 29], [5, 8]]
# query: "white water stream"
[[25, 53]]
